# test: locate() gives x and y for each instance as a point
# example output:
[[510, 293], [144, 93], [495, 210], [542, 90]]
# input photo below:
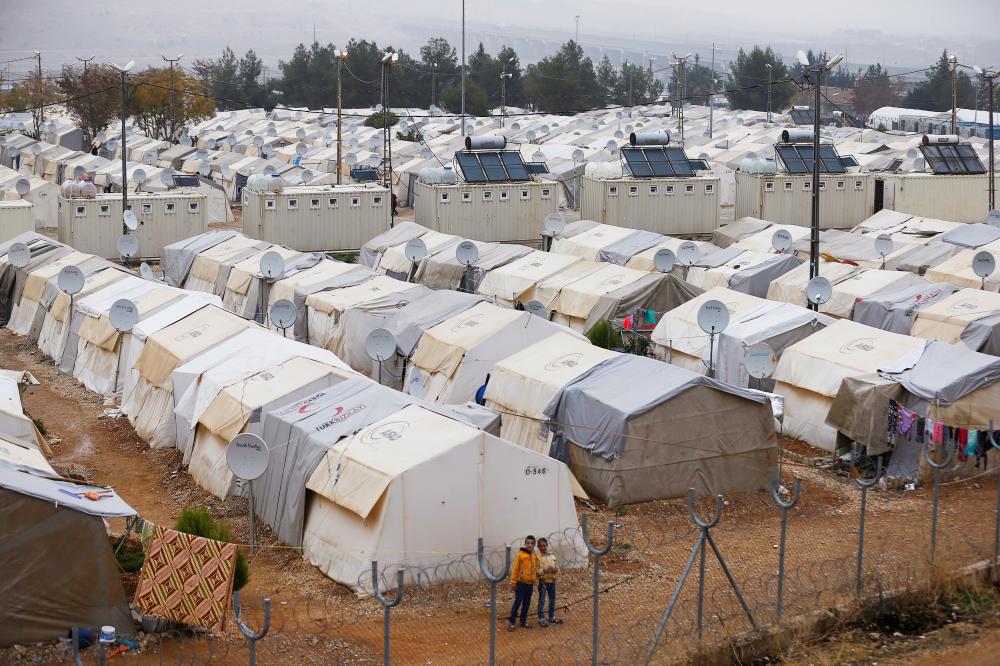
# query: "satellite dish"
[[267, 151], [983, 264], [993, 218], [22, 186], [664, 260], [71, 280], [555, 223], [301, 149], [186, 141], [78, 171], [380, 345], [619, 134], [307, 175], [530, 135], [123, 315], [611, 145], [467, 253], [146, 272], [578, 155], [167, 177], [415, 250], [819, 290], [227, 172], [350, 159], [212, 144], [35, 149], [18, 255], [272, 132], [231, 139], [149, 159], [537, 309], [759, 360], [139, 176], [270, 170], [713, 317], [781, 240], [883, 245], [128, 245], [283, 313], [11, 152], [205, 169], [247, 456], [272, 265], [258, 141], [220, 127], [201, 155], [801, 57], [688, 253], [300, 134], [131, 223]]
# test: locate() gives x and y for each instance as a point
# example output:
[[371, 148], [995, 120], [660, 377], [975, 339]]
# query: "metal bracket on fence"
[[251, 636], [784, 506], [864, 485], [704, 538], [598, 553], [936, 466], [387, 608], [494, 579]]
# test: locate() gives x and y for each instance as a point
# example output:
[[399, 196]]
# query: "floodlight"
[[835, 61], [801, 57], [124, 70]]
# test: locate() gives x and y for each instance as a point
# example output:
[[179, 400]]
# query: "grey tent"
[[918, 258], [178, 257], [736, 231], [43, 250], [622, 250], [971, 235], [443, 271], [895, 307], [633, 429], [371, 252]]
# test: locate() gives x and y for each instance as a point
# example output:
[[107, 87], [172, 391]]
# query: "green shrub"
[[600, 334], [375, 120], [130, 555], [197, 521]]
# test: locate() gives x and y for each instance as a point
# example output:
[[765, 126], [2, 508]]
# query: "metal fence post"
[[251, 636], [494, 579], [864, 486], [784, 506], [387, 606], [598, 553], [936, 466], [75, 634]]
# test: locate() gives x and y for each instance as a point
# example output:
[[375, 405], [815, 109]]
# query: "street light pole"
[[463, 68], [341, 57], [388, 60], [991, 186], [85, 62], [124, 73], [173, 118], [577, 40], [433, 81], [711, 98], [953, 61], [769, 68], [503, 91], [38, 93], [680, 91]]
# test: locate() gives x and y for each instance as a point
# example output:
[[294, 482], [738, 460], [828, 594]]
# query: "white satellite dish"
[[664, 260], [380, 345], [883, 245], [186, 141], [71, 280], [123, 315], [130, 220], [993, 218], [272, 265], [688, 253], [201, 155], [350, 159], [759, 360], [231, 139], [530, 135], [983, 264], [307, 175], [611, 145], [78, 171], [205, 169], [220, 127], [139, 176], [301, 149], [212, 144], [272, 132], [801, 57], [11, 152], [149, 159], [537, 309], [781, 240], [258, 141], [713, 317], [555, 223], [266, 151], [467, 253], [300, 133], [227, 172], [247, 456], [578, 155], [819, 290], [415, 250], [35, 149], [146, 272], [18, 255], [22, 186], [167, 177], [128, 245], [283, 313], [619, 134]]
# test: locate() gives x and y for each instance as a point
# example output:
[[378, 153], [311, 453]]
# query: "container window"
[[377, 201], [689, 189], [822, 185], [105, 210], [147, 209], [525, 195], [840, 184], [769, 186], [669, 190], [81, 211], [193, 206], [169, 208], [332, 202], [859, 184], [654, 190], [807, 185], [546, 193], [487, 195], [355, 202], [633, 190], [269, 204], [613, 191], [709, 188], [293, 204], [504, 195], [314, 203], [466, 197], [444, 197], [788, 186]]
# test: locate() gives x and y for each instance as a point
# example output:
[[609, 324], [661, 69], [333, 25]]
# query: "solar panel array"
[[492, 166], [802, 116], [798, 158], [952, 158], [658, 161]]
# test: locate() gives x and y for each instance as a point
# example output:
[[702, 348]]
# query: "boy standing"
[[523, 576], [547, 571]]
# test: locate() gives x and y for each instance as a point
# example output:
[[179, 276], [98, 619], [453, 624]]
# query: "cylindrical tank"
[[660, 138], [438, 176], [495, 142], [257, 182], [938, 139], [88, 190], [275, 183], [67, 188], [796, 136]]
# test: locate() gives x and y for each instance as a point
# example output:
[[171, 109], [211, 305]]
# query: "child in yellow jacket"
[[523, 576]]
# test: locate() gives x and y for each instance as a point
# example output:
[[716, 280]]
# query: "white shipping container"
[[845, 199], [318, 218], [959, 198], [500, 212], [16, 217], [669, 206], [95, 225]]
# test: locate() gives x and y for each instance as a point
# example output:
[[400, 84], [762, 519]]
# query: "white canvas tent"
[[968, 317]]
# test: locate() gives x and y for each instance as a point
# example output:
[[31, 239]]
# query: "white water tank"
[[88, 190], [257, 182], [275, 183], [438, 176]]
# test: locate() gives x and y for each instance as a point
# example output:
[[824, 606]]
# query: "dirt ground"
[[315, 620]]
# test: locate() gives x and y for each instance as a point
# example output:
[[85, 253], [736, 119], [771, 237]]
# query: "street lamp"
[[389, 59], [85, 61], [341, 56], [769, 70], [504, 75], [992, 136], [681, 60], [124, 74], [817, 72], [173, 119], [434, 72], [463, 68]]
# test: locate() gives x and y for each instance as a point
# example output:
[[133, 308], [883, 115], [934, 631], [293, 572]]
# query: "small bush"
[[130, 556], [197, 521], [375, 120], [600, 334]]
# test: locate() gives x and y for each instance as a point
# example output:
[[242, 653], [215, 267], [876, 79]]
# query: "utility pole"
[[124, 73], [433, 81], [38, 92], [341, 57], [85, 62], [504, 75], [577, 40], [463, 68], [388, 60], [991, 186], [711, 98], [953, 61], [681, 60], [769, 71], [173, 118]]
